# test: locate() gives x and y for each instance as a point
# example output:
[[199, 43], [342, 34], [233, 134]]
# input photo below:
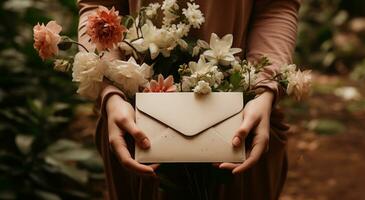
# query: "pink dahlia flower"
[[104, 28], [46, 39], [161, 85]]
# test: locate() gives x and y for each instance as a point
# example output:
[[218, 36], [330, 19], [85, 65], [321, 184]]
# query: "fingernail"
[[236, 141], [145, 143]]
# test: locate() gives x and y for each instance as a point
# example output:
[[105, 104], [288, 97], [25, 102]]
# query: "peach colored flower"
[[104, 28], [162, 85], [46, 39], [299, 84]]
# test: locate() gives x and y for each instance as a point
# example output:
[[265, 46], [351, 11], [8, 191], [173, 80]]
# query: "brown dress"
[[259, 27]]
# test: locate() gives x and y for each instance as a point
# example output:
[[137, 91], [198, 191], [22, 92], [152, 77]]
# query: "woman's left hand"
[[256, 120]]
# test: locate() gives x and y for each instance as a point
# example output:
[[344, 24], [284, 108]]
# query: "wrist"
[[266, 94]]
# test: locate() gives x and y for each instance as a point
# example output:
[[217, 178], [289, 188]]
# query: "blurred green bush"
[[36, 104], [331, 36]]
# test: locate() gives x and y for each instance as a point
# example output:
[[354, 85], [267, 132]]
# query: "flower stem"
[[81, 45], [131, 46]]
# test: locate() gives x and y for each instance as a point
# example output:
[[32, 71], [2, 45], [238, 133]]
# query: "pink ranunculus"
[[161, 85], [46, 39], [105, 29]]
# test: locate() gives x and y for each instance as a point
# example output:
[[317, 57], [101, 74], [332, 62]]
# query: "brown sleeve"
[[273, 33]]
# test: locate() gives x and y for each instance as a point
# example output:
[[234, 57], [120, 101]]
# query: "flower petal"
[[228, 39], [214, 41], [154, 50], [169, 81], [54, 27]]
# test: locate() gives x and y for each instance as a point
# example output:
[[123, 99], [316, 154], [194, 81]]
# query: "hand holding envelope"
[[185, 127]]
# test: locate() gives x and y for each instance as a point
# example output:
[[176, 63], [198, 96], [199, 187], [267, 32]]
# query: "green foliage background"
[[37, 161]]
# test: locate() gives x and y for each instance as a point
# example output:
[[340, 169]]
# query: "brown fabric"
[[261, 27]]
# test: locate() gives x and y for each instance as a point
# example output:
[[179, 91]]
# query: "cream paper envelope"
[[185, 127]]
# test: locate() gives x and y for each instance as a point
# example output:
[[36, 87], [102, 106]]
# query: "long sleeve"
[[273, 34]]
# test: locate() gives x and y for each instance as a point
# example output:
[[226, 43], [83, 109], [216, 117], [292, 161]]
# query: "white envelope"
[[185, 127]]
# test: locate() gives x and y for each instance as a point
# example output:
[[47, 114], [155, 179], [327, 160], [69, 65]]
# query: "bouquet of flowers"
[[159, 55]]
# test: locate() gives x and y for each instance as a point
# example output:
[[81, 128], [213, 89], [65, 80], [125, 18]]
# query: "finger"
[[259, 145], [140, 138], [245, 128], [119, 146], [229, 166]]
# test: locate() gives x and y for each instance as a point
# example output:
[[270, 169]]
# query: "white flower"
[[169, 7], [179, 30], [201, 67], [128, 75], [236, 66], [202, 88], [220, 50], [196, 51], [169, 4], [299, 84], [155, 40], [200, 44], [288, 69], [88, 70], [193, 15], [151, 9], [187, 83], [202, 71], [249, 78]]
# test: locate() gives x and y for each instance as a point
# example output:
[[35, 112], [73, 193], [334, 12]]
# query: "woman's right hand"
[[121, 122]]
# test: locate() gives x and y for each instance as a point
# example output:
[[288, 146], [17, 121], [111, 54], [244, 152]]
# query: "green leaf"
[[73, 155], [235, 80], [61, 145], [72, 172], [47, 195]]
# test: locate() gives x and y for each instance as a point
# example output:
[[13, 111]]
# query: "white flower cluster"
[[155, 40], [193, 15], [204, 76]]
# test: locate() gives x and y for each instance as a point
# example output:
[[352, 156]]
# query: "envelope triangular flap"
[[190, 113]]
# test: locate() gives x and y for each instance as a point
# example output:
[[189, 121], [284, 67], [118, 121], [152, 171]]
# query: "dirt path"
[[324, 164]]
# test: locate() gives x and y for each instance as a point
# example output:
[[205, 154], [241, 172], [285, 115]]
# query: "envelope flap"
[[189, 113]]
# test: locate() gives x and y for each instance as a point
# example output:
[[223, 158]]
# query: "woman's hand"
[[120, 122], [256, 120]]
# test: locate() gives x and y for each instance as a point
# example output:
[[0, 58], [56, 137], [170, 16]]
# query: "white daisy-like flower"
[[220, 50], [193, 15]]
